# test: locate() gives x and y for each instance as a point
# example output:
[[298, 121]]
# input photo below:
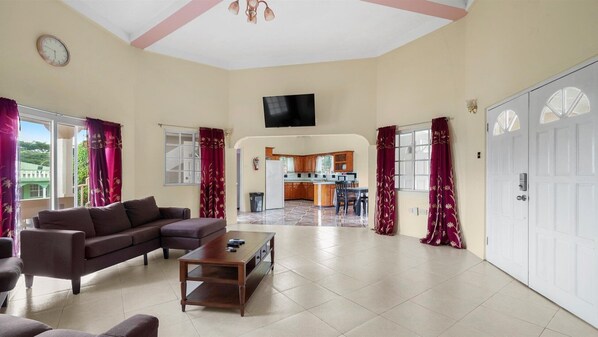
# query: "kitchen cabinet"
[[298, 191], [299, 163], [343, 161], [310, 163], [310, 191]]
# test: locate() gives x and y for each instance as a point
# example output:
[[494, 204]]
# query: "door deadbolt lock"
[[522, 197]]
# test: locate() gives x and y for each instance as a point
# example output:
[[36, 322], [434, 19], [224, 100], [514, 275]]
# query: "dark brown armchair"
[[10, 269]]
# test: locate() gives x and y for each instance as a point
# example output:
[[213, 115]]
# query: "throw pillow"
[[142, 211], [74, 219], [109, 219]]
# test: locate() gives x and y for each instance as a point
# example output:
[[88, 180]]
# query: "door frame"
[[526, 91]]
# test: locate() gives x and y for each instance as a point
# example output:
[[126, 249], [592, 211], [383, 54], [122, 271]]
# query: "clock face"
[[52, 50]]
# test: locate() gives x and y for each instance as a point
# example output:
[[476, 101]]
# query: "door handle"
[[522, 197]]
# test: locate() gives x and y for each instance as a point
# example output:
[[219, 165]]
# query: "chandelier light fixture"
[[251, 10]]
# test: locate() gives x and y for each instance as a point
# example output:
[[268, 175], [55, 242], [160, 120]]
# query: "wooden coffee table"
[[228, 278]]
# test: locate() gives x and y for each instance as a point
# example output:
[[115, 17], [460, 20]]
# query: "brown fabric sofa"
[[74, 242], [135, 326]]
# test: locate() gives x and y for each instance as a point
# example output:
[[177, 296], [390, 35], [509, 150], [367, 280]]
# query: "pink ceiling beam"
[[175, 21], [424, 7]]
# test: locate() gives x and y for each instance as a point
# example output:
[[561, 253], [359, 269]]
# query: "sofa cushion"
[[142, 211], [10, 270], [160, 223], [65, 333], [101, 245], [142, 233], [109, 219], [74, 219], [193, 228], [21, 327]]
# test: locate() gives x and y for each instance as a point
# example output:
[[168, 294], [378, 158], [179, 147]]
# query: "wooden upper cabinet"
[[299, 164], [343, 161], [269, 151], [311, 163]]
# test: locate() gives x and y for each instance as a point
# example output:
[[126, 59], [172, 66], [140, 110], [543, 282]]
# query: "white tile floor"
[[328, 281]]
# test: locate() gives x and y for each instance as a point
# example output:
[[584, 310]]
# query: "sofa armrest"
[[5, 248], [135, 326], [175, 213], [53, 252]]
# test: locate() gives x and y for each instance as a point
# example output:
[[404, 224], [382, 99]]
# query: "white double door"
[[542, 190]]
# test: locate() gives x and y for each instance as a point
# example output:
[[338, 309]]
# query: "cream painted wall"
[[98, 82], [171, 91], [345, 98], [111, 80], [255, 181], [498, 49]]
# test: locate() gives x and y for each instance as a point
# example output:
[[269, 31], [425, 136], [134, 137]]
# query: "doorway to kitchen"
[[309, 167]]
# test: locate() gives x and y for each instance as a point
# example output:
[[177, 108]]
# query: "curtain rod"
[[177, 126], [56, 113], [413, 124]]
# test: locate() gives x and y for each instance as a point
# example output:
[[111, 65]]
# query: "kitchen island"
[[324, 193], [320, 191]]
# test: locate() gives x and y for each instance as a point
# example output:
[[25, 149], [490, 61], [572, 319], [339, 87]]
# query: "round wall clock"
[[52, 50]]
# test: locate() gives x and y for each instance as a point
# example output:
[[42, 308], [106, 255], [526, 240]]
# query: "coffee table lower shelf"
[[222, 295]]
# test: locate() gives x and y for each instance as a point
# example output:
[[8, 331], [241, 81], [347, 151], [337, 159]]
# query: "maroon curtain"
[[212, 188], [9, 129], [443, 223], [385, 181], [104, 145]]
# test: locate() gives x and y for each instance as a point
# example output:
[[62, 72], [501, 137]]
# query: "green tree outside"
[[35, 152], [83, 169]]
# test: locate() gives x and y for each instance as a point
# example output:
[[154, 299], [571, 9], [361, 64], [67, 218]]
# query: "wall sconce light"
[[472, 105]]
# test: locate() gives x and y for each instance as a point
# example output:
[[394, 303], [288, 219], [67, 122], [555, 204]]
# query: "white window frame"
[[54, 119], [196, 165], [413, 160]]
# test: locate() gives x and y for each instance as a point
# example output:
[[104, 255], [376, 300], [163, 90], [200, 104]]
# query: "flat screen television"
[[289, 110]]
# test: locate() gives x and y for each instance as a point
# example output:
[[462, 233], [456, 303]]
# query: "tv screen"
[[290, 110]]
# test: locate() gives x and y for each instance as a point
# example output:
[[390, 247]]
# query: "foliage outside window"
[[82, 172], [324, 164], [182, 165], [412, 160]]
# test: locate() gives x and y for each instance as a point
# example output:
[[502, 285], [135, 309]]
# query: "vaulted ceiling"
[[304, 31]]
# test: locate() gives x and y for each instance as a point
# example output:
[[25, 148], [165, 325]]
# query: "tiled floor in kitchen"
[[303, 213]]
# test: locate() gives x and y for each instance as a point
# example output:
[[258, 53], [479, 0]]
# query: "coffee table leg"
[[242, 299], [272, 252], [183, 279]]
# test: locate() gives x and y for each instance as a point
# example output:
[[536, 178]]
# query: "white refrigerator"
[[274, 184]]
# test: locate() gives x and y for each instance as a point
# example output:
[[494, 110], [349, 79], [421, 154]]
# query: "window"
[[288, 164], [324, 164], [507, 121], [412, 160], [181, 158], [36, 191], [566, 102]]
